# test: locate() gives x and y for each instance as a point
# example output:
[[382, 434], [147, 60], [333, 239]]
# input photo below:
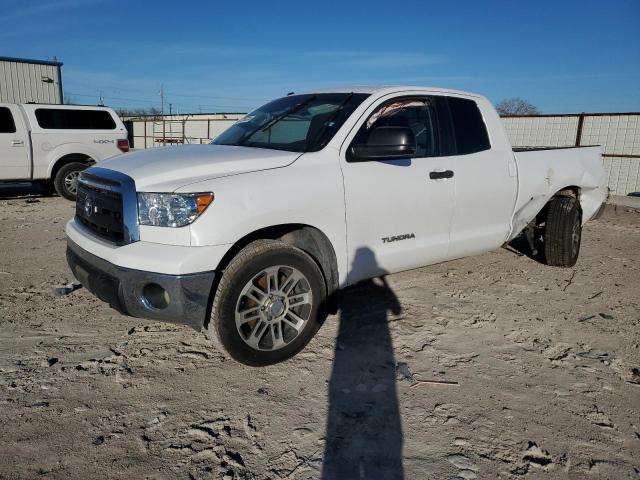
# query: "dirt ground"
[[544, 365]]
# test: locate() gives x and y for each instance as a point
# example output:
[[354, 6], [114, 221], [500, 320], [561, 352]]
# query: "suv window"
[[66, 119], [6, 121], [417, 113], [470, 131]]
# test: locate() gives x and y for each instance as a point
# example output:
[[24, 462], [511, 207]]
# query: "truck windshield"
[[296, 123]]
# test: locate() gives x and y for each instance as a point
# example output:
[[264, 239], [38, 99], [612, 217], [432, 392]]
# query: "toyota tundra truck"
[[51, 144], [251, 237]]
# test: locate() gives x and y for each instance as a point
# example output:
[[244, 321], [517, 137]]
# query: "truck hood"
[[169, 168]]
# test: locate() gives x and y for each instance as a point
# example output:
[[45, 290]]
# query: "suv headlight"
[[171, 209]]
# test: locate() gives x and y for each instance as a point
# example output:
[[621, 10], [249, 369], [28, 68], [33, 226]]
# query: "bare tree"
[[516, 106], [138, 112]]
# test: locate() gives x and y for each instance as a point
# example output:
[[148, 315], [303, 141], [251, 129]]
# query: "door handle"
[[17, 143], [438, 175]]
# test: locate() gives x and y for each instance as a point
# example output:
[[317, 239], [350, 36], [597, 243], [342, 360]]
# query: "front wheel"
[[66, 179], [269, 304], [563, 232]]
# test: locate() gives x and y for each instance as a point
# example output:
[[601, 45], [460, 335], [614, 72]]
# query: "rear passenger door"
[[484, 175], [14, 145]]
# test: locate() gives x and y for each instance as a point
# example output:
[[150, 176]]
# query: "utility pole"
[[164, 124], [170, 109]]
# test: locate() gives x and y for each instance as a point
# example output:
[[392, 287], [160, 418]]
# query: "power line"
[[151, 101], [171, 94], [215, 97]]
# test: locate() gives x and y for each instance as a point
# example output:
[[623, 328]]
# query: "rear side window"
[[6, 121], [65, 119], [470, 131]]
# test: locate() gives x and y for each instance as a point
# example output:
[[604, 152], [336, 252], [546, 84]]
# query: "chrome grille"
[[100, 211], [106, 205]]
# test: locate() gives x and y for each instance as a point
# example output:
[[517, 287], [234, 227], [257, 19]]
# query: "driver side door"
[[398, 213]]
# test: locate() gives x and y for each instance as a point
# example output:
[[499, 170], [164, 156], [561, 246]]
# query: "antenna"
[[162, 98]]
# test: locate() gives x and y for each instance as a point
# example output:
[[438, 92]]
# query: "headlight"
[[171, 209]]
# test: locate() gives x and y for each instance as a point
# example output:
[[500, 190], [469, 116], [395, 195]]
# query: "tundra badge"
[[395, 238]]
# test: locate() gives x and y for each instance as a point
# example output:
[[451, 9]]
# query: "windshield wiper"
[[329, 121], [275, 119]]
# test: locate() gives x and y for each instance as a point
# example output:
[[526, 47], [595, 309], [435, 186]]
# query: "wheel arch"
[[570, 191], [67, 159], [307, 238]]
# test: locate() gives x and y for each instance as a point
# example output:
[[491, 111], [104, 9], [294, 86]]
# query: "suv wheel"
[[269, 304]]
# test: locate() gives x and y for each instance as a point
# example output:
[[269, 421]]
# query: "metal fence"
[[618, 133], [160, 131]]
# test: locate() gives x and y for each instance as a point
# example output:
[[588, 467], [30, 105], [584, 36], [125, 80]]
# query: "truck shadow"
[[520, 246], [13, 191], [364, 434]]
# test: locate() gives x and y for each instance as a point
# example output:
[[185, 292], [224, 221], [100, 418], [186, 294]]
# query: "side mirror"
[[386, 143]]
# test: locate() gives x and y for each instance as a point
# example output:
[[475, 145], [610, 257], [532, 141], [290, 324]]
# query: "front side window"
[[67, 119], [7, 124], [296, 123], [418, 114]]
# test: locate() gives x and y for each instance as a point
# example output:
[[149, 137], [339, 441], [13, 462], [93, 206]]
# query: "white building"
[[23, 81]]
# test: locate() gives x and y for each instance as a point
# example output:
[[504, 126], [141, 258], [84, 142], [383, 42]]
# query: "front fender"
[[307, 192]]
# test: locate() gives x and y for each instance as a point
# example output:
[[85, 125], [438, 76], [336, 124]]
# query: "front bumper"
[[173, 298]]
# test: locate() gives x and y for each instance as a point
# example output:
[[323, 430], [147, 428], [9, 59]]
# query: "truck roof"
[[57, 106], [383, 89]]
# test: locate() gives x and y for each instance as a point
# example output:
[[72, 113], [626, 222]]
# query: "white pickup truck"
[[52, 144], [251, 238]]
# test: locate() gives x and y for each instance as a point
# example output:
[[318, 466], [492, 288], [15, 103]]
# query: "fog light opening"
[[156, 297]]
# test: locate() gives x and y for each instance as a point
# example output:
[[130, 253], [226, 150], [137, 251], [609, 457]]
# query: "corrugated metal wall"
[[618, 133], [22, 82]]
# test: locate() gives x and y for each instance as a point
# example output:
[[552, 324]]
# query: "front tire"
[[269, 304], [66, 179], [563, 232]]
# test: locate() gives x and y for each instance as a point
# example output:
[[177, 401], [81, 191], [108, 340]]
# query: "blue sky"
[[563, 56]]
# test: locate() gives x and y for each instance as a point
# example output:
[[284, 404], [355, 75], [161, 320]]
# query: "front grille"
[[101, 211]]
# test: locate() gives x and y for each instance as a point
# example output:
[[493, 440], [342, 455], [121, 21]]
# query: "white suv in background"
[[52, 144]]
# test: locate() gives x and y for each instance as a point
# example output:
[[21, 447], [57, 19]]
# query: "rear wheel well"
[[569, 191], [308, 239], [70, 158]]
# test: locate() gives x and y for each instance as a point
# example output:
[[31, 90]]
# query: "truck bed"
[[535, 149], [544, 171]]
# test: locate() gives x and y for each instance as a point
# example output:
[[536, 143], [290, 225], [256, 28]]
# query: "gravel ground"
[[487, 367]]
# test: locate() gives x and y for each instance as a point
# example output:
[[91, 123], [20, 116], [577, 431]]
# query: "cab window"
[[466, 131], [416, 113], [7, 124]]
